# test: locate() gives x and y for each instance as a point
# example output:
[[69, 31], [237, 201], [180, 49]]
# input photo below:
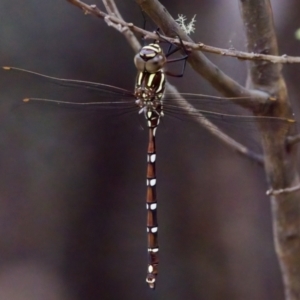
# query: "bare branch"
[[280, 161], [283, 59]]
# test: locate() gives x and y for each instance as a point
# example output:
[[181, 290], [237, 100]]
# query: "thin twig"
[[272, 192], [113, 11], [283, 59], [280, 161]]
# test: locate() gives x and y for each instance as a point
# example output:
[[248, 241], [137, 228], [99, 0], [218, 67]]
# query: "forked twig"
[[113, 11]]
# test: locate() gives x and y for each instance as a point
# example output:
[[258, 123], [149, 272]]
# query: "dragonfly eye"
[[155, 64], [150, 59]]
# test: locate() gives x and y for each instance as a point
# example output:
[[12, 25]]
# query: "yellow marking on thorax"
[[162, 80], [150, 79], [140, 77]]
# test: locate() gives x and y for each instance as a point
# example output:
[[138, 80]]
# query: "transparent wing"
[[212, 112], [223, 113]]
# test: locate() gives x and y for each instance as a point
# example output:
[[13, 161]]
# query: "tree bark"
[[280, 160]]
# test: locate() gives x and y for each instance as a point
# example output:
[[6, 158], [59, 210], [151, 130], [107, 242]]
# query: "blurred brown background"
[[72, 183]]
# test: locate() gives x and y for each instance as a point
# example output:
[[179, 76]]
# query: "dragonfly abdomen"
[[149, 90]]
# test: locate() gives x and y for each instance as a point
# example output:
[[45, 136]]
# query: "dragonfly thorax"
[[150, 59], [149, 91], [150, 104]]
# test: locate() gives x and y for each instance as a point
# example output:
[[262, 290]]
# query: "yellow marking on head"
[[150, 55], [155, 46]]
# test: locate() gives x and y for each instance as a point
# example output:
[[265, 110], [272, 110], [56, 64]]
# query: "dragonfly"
[[152, 101]]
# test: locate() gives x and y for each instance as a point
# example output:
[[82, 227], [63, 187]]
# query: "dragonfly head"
[[150, 59]]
